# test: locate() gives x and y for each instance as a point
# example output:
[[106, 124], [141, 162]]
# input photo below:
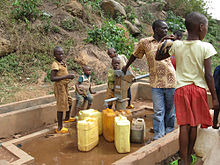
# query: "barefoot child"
[[111, 79], [60, 77], [83, 89], [194, 76]]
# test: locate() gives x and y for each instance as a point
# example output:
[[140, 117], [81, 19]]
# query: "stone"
[[132, 28], [137, 22], [96, 59], [75, 8], [113, 8], [5, 47]]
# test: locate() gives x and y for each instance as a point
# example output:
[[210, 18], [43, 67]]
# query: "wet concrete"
[[62, 149]]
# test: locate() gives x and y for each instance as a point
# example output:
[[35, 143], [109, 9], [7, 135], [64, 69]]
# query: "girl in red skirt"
[[194, 76]]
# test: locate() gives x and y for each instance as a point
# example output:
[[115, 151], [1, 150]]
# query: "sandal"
[[71, 119], [130, 107], [175, 162], [194, 159], [63, 130]]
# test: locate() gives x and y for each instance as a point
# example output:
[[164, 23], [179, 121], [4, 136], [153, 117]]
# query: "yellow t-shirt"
[[61, 71], [190, 56]]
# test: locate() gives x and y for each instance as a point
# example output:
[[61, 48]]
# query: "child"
[[193, 70], [60, 76], [123, 60], [83, 89], [111, 78], [178, 36], [217, 87]]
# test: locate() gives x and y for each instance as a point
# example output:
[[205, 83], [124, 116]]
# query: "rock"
[[75, 8], [132, 28], [5, 47], [113, 8], [137, 22], [96, 59]]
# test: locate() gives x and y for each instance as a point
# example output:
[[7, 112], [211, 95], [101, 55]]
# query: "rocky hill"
[[30, 29]]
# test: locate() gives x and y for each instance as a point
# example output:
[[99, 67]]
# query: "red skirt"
[[191, 106]]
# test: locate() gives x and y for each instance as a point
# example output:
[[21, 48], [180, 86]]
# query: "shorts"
[[191, 106], [80, 99]]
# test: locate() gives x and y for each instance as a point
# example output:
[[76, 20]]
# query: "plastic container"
[[87, 131], [137, 130], [126, 113], [108, 116], [122, 134], [92, 113]]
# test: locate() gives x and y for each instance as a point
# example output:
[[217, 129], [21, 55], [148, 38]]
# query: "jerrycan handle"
[[139, 120]]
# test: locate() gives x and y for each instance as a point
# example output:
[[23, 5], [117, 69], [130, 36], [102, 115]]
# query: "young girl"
[[60, 76], [194, 76]]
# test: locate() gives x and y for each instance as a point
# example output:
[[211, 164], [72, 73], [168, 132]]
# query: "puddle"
[[62, 149]]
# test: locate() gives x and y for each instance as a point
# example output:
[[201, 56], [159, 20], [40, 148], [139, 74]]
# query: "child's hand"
[[170, 37], [93, 92], [70, 76]]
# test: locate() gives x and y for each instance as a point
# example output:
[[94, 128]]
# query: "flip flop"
[[130, 107], [194, 159], [175, 162], [63, 130], [71, 119]]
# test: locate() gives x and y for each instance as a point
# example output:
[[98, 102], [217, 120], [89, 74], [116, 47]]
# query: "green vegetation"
[[26, 10], [111, 36], [175, 22]]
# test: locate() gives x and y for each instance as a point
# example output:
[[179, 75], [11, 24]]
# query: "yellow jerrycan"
[[87, 131], [108, 116], [92, 113], [122, 134]]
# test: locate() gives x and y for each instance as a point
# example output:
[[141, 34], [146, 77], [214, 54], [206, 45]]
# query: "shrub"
[[112, 36], [26, 10], [175, 22]]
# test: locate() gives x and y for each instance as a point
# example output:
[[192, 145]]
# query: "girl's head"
[[87, 70], [196, 24], [112, 52], [116, 63], [58, 53]]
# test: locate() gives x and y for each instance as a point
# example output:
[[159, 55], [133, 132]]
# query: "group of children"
[[61, 79], [194, 76]]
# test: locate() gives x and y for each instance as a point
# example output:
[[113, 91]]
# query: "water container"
[[137, 130], [92, 113], [88, 136], [108, 116], [122, 134], [126, 113]]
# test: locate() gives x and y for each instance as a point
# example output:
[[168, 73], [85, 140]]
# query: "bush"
[[112, 36], [175, 22], [26, 10]]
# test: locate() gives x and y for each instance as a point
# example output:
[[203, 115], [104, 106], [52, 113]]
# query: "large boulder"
[[75, 8], [132, 28], [96, 59], [113, 8], [5, 47]]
